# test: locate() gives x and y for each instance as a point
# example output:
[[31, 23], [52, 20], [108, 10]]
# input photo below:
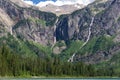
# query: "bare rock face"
[[98, 57], [59, 47], [27, 23], [6, 23], [78, 26], [33, 31], [20, 3]]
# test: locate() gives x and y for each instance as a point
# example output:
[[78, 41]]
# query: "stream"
[[88, 38]]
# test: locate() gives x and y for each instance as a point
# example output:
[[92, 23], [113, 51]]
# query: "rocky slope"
[[26, 26], [78, 26], [28, 23], [90, 35], [20, 3]]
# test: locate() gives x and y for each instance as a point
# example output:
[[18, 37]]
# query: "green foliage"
[[26, 48], [17, 46], [12, 64], [114, 62], [43, 49], [35, 20], [110, 67], [102, 43], [88, 48], [48, 17], [38, 21], [71, 48]]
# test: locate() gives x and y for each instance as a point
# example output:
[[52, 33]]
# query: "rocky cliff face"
[[28, 23], [78, 26], [95, 27]]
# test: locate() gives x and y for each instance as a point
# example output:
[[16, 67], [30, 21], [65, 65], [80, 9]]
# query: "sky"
[[42, 3]]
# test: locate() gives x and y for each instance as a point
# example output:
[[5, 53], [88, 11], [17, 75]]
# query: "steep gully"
[[88, 38]]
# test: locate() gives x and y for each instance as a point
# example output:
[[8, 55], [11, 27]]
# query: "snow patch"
[[57, 10], [77, 6], [28, 2]]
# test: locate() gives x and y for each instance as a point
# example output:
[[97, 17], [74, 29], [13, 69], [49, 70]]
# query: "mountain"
[[90, 35], [97, 27], [63, 9], [21, 24], [60, 7], [20, 3]]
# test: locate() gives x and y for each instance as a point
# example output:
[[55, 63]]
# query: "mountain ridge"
[[61, 34]]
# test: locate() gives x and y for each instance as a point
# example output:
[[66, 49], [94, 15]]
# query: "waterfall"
[[54, 39], [88, 38]]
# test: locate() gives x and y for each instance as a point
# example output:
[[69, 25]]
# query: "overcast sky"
[[56, 2]]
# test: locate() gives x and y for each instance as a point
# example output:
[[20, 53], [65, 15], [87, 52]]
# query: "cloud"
[[59, 2], [28, 2]]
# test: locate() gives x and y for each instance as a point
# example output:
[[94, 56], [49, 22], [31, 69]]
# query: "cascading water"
[[88, 38]]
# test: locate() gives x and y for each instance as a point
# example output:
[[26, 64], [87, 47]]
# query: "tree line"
[[13, 64]]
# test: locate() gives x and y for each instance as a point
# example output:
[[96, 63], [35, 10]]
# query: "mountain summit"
[[59, 10], [60, 7]]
